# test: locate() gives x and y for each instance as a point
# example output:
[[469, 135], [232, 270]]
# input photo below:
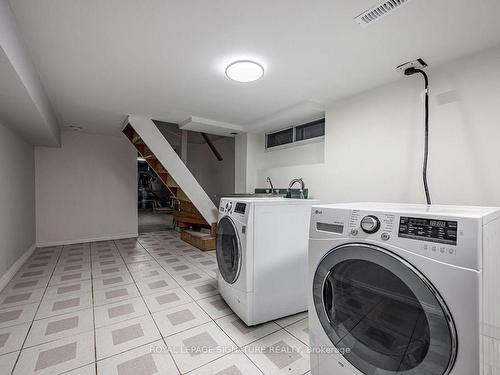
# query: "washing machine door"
[[382, 314], [228, 250]]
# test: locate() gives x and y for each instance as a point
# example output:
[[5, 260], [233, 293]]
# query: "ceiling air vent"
[[377, 12]]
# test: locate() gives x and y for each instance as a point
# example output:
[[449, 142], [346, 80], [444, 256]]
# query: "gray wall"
[[86, 190], [216, 177], [17, 198]]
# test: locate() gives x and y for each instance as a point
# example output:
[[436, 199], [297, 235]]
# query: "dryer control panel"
[[448, 239], [234, 208], [432, 230]]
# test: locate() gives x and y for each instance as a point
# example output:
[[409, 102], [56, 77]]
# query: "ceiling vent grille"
[[377, 12]]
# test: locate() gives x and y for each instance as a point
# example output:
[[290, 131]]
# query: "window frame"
[[294, 141]]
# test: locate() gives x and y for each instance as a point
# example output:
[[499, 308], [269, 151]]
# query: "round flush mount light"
[[244, 71]]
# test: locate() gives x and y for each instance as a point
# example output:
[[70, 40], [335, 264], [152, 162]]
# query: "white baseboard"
[[7, 276], [83, 240]]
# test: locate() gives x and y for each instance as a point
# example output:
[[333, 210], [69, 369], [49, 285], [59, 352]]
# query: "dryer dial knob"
[[370, 224]]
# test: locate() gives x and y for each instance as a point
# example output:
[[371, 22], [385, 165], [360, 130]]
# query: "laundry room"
[[243, 188]]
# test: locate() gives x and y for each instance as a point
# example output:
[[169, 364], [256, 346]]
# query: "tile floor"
[[146, 305]]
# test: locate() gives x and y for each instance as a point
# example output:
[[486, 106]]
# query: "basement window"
[[314, 129], [279, 138], [310, 130]]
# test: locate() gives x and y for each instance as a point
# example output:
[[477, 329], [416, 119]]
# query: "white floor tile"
[[234, 363], [18, 286], [68, 290], [149, 274], [109, 271], [287, 320], [7, 362], [111, 295], [72, 268], [137, 258], [279, 353], [191, 277], [119, 337], [71, 277], [12, 338], [172, 261], [182, 268], [32, 274], [215, 306], [163, 254], [167, 299], [60, 326], [119, 311], [57, 356], [149, 359], [107, 263], [198, 346], [112, 281], [300, 330], [242, 334], [17, 315], [156, 285], [180, 318], [63, 305], [208, 262], [85, 370], [212, 272], [18, 298], [202, 290]]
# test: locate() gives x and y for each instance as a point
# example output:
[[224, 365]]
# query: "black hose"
[[408, 72]]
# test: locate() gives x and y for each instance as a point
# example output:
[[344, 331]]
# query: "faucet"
[[302, 187], [268, 179]]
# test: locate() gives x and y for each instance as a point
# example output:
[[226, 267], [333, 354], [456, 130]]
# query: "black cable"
[[408, 72]]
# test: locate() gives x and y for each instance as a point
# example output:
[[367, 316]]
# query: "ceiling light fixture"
[[244, 71]]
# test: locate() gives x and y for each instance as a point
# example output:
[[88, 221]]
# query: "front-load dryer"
[[404, 289], [262, 256]]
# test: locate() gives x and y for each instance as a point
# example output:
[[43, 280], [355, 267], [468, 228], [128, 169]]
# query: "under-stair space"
[[194, 213]]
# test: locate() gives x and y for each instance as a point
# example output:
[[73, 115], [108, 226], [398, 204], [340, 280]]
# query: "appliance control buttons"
[[385, 236], [370, 224], [354, 232]]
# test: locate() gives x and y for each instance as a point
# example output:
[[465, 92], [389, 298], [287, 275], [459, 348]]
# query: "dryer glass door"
[[228, 250], [382, 314]]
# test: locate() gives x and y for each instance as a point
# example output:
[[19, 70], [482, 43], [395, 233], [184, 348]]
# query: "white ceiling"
[[100, 60]]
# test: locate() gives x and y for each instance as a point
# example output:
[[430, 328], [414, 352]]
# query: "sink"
[[264, 193], [254, 195]]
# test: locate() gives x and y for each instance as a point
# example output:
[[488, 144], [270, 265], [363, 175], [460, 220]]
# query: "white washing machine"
[[262, 256], [404, 289]]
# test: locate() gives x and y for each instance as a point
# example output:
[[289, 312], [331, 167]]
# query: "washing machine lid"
[[228, 250], [382, 313]]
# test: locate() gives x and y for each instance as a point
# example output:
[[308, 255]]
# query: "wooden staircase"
[[186, 215]]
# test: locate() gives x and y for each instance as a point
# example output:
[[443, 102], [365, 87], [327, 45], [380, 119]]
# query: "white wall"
[[87, 189], [240, 162], [17, 198], [374, 141], [216, 177]]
